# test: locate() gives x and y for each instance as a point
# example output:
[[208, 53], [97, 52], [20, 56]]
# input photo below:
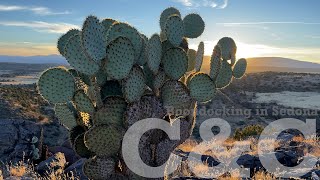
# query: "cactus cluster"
[[119, 77]]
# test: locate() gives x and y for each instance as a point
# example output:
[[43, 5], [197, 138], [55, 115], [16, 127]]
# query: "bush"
[[252, 130]]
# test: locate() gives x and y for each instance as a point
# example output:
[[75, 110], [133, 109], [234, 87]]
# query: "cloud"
[[44, 11], [203, 3], [41, 26], [246, 50], [266, 23]]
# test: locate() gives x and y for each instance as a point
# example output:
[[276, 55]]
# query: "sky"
[[261, 28]]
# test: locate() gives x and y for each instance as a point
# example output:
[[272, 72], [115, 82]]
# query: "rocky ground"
[[29, 130]]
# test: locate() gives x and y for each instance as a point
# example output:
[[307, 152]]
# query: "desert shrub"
[[252, 130]]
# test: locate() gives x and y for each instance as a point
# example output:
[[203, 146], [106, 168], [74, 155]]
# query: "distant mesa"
[[50, 59]]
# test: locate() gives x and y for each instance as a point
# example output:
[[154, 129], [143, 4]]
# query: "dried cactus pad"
[[154, 52], [76, 57], [193, 25], [240, 68], [175, 95], [228, 48], [56, 85], [134, 85], [82, 102], [65, 115], [63, 40], [125, 30], [215, 62], [167, 13], [111, 113], [175, 63], [225, 75], [191, 59], [174, 30], [103, 140], [80, 148], [120, 58], [202, 88], [93, 39], [99, 168], [199, 56]]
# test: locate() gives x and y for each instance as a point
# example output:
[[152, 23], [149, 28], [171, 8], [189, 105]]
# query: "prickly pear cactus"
[[119, 76]]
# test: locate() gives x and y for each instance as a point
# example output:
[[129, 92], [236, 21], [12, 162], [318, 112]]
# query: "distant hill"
[[277, 64], [50, 59]]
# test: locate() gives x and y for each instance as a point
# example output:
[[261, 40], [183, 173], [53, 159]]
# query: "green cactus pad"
[[154, 52], [166, 45], [82, 102], [120, 58], [202, 88], [184, 44], [175, 95], [101, 77], [75, 132], [125, 30], [63, 40], [159, 80], [107, 23], [215, 62], [191, 59], [174, 30], [175, 63], [65, 115], [199, 56], [111, 88], [240, 68], [80, 148], [134, 85], [149, 76], [166, 14], [103, 140], [193, 25], [111, 113], [93, 39], [225, 75], [99, 168], [76, 57], [143, 54], [228, 49], [56, 85]]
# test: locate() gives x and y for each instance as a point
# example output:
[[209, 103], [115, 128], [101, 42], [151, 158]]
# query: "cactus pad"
[[191, 59], [240, 68], [154, 52], [125, 30], [133, 86], [215, 62], [193, 25], [101, 77], [202, 88], [80, 148], [111, 113], [56, 85], [103, 140], [159, 80], [175, 95], [184, 44], [228, 49], [76, 57], [75, 132], [199, 56], [99, 168], [166, 14], [63, 40], [143, 54], [82, 102], [65, 115], [120, 58], [107, 23], [174, 30], [225, 75], [175, 63], [93, 39], [111, 88]]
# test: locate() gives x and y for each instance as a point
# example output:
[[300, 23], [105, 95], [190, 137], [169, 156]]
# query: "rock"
[[76, 169], [70, 154], [15, 139], [52, 164]]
